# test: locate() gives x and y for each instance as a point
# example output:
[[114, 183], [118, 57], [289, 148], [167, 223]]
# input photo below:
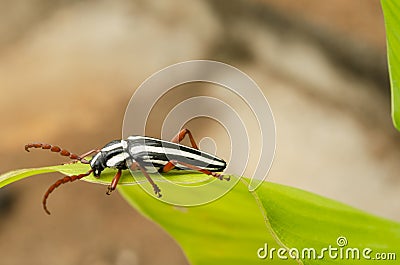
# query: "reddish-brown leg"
[[58, 183], [114, 182], [91, 152], [82, 157], [63, 152], [169, 166], [177, 139], [205, 171], [157, 190]]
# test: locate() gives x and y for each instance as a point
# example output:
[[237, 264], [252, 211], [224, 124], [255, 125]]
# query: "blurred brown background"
[[69, 68]]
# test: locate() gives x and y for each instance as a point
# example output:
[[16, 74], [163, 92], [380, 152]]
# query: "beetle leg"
[[114, 182], [169, 166], [134, 166], [82, 156], [179, 137], [205, 171], [157, 190]]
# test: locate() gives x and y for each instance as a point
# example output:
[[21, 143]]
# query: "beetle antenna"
[[58, 183], [56, 149]]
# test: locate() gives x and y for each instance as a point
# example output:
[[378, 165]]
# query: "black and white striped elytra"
[[152, 153]]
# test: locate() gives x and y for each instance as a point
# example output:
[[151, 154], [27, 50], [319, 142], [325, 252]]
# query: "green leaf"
[[227, 231], [391, 11], [302, 220], [233, 229]]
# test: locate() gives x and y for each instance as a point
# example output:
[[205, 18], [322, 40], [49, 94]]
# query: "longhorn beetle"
[[139, 153]]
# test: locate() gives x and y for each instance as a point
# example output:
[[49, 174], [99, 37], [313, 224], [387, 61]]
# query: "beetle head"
[[97, 164]]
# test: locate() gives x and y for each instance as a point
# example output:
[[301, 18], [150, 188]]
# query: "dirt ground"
[[69, 68]]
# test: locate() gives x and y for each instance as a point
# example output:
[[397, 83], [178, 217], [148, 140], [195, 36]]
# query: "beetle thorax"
[[97, 163], [112, 155]]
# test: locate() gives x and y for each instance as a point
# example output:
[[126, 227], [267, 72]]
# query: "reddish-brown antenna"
[[58, 183], [57, 149]]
